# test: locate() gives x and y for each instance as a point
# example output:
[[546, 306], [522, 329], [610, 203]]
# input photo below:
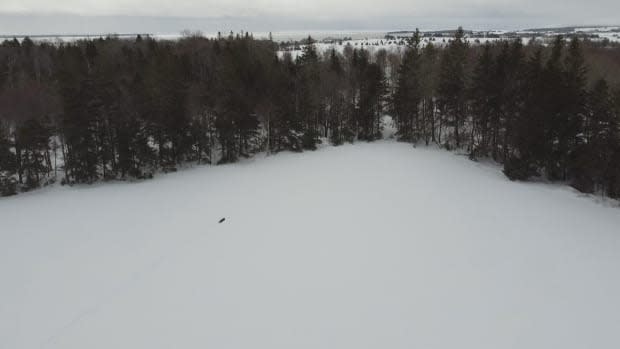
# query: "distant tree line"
[[112, 109]]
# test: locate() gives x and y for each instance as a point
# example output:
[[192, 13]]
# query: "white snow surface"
[[376, 245]]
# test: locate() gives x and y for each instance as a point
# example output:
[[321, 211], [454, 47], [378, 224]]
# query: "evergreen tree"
[[527, 141], [307, 98], [287, 125], [483, 108], [554, 111], [334, 82], [452, 86], [8, 164], [408, 94], [79, 121], [574, 107], [512, 97], [428, 87], [593, 164], [32, 139], [370, 106]]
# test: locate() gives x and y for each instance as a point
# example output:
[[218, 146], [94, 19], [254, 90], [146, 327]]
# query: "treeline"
[[530, 108], [119, 109], [116, 109]]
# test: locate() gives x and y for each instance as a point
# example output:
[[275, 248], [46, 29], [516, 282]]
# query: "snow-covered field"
[[361, 246], [376, 41], [393, 45]]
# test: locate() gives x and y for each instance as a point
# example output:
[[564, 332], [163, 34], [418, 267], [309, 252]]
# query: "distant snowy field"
[[362, 246], [369, 40], [374, 42]]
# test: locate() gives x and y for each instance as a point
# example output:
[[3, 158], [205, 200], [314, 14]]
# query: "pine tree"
[[334, 83], [32, 139], [372, 95], [592, 165], [612, 176], [287, 126], [452, 86], [408, 94], [513, 93], [307, 98], [482, 110], [8, 163], [554, 112], [81, 106], [574, 106], [428, 87], [527, 143]]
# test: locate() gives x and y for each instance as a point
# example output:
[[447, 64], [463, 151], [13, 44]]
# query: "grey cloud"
[[165, 16]]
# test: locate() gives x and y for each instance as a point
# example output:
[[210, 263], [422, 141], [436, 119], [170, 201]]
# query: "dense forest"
[[111, 109]]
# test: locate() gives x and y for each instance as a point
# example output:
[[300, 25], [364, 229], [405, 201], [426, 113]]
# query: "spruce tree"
[[592, 164], [408, 94], [554, 112], [8, 163], [428, 87], [527, 141], [32, 139], [372, 94], [334, 85], [452, 86], [574, 106], [307, 98], [482, 91]]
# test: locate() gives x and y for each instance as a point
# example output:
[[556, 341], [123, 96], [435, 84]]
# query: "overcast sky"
[[57, 16]]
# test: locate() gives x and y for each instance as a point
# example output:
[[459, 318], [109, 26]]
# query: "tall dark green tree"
[[408, 94], [32, 139], [428, 86], [334, 86], [80, 119], [452, 90], [527, 141], [574, 107], [8, 163], [483, 100], [308, 97], [370, 107], [592, 165]]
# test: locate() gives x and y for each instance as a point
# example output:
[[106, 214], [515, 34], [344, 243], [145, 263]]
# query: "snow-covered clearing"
[[361, 246]]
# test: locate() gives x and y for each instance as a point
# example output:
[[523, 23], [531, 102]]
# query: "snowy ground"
[[361, 246]]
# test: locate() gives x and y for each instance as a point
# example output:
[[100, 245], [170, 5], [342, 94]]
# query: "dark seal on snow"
[[221, 220]]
